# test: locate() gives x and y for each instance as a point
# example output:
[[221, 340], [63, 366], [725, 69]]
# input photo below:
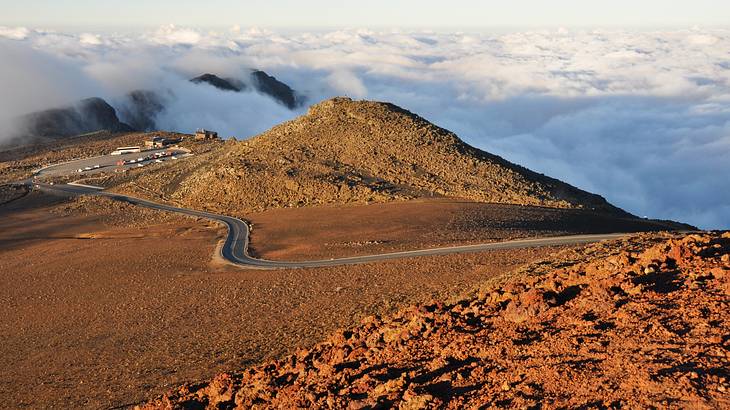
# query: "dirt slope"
[[640, 323], [312, 233], [98, 313], [346, 151]]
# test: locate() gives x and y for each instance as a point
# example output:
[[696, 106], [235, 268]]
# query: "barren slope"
[[329, 231], [106, 304], [639, 323], [346, 151]]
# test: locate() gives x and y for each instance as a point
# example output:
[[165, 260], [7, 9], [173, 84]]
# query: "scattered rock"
[[583, 329]]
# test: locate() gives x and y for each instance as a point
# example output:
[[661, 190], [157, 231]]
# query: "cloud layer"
[[642, 118]]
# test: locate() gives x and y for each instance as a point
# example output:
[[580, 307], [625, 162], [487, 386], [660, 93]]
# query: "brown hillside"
[[345, 151], [636, 323]]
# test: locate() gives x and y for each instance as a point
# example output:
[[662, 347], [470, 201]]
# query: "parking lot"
[[112, 163]]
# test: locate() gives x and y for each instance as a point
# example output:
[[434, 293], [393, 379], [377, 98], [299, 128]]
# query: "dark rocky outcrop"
[[92, 114], [269, 85], [141, 108], [260, 82], [219, 83]]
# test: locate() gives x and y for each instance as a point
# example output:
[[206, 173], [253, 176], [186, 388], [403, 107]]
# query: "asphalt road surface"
[[235, 248], [105, 162]]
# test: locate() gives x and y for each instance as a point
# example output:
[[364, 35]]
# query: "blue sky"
[[374, 13]]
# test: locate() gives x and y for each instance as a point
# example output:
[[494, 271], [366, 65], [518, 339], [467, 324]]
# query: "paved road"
[[235, 248], [105, 163]]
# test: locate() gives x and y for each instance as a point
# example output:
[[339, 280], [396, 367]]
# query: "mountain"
[[259, 81], [219, 83], [269, 85], [92, 114], [140, 109], [346, 151]]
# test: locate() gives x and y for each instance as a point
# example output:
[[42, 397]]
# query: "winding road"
[[235, 248]]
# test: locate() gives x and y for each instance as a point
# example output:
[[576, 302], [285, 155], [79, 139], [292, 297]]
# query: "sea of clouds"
[[640, 117]]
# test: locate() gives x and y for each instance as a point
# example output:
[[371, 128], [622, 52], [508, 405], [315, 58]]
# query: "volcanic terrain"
[[345, 151], [107, 304], [636, 323]]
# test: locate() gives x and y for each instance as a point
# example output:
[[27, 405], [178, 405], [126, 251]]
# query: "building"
[[203, 134], [126, 150], [160, 142]]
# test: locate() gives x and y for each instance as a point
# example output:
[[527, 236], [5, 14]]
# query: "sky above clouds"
[[641, 117], [373, 13]]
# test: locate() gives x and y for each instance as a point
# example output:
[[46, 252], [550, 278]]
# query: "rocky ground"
[[117, 213], [321, 232], [106, 305], [635, 323], [9, 193]]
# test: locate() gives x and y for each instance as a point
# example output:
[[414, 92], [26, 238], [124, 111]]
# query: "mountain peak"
[[281, 92], [260, 81], [344, 151], [371, 126], [218, 82]]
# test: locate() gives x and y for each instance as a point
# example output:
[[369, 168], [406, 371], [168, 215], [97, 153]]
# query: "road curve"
[[235, 248]]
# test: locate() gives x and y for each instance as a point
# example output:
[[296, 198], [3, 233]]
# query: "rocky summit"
[[345, 151]]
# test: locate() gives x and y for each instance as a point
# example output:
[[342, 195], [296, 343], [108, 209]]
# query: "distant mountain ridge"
[[140, 109], [260, 82], [137, 111], [218, 82], [88, 115], [278, 90]]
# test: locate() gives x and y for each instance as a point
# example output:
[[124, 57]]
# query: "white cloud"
[[90, 39], [702, 39], [37, 79], [347, 84], [642, 118], [230, 114], [14, 33], [172, 35]]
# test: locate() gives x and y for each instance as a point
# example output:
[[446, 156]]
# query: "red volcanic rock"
[[635, 323]]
